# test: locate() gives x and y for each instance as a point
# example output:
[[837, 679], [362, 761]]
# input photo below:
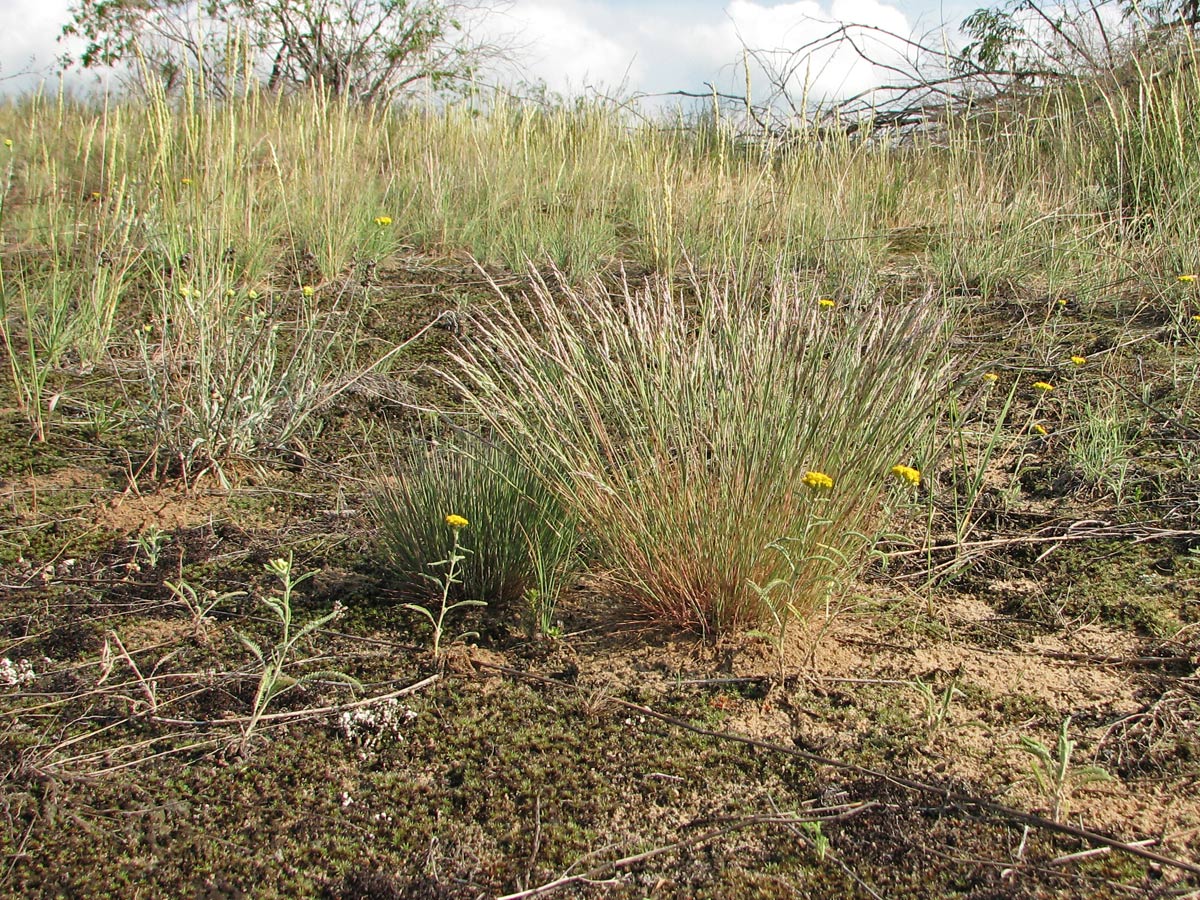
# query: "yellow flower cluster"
[[1040, 428], [1187, 279], [1079, 360], [1043, 386], [817, 480], [307, 290], [991, 377], [826, 303], [907, 473], [456, 522], [383, 221]]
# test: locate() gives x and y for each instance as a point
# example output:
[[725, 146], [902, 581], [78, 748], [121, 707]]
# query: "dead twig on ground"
[[1052, 536], [600, 871], [949, 796]]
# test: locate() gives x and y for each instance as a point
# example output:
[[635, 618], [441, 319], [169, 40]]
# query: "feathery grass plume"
[[522, 540], [681, 433]]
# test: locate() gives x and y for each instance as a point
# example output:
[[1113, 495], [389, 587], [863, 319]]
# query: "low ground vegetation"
[[464, 502]]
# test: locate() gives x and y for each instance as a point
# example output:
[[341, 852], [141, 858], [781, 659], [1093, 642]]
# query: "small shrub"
[[230, 375]]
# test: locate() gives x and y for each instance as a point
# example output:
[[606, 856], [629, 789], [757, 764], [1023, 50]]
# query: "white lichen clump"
[[368, 725], [16, 674]]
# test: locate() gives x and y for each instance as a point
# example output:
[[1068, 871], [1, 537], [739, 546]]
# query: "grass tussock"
[[689, 434], [520, 543]]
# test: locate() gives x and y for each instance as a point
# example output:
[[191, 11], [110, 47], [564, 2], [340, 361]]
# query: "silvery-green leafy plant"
[[274, 681], [1055, 776]]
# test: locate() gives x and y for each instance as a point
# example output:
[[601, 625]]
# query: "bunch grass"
[[693, 432], [524, 542]]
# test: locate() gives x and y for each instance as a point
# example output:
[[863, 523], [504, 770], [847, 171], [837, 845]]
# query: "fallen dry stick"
[[626, 862], [957, 798]]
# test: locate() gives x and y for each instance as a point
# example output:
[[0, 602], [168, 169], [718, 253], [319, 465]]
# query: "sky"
[[611, 46]]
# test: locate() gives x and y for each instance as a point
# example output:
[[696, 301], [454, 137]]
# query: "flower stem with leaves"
[[452, 565], [274, 681]]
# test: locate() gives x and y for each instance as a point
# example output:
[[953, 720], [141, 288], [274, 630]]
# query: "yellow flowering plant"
[[451, 576], [817, 480]]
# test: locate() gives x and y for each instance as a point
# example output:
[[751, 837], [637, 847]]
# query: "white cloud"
[[651, 46], [572, 43], [27, 33], [559, 42], [29, 45]]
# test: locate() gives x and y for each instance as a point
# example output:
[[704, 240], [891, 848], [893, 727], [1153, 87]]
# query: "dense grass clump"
[[727, 455], [520, 542]]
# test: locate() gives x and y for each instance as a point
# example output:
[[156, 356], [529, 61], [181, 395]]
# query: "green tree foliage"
[[1032, 38], [369, 50]]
